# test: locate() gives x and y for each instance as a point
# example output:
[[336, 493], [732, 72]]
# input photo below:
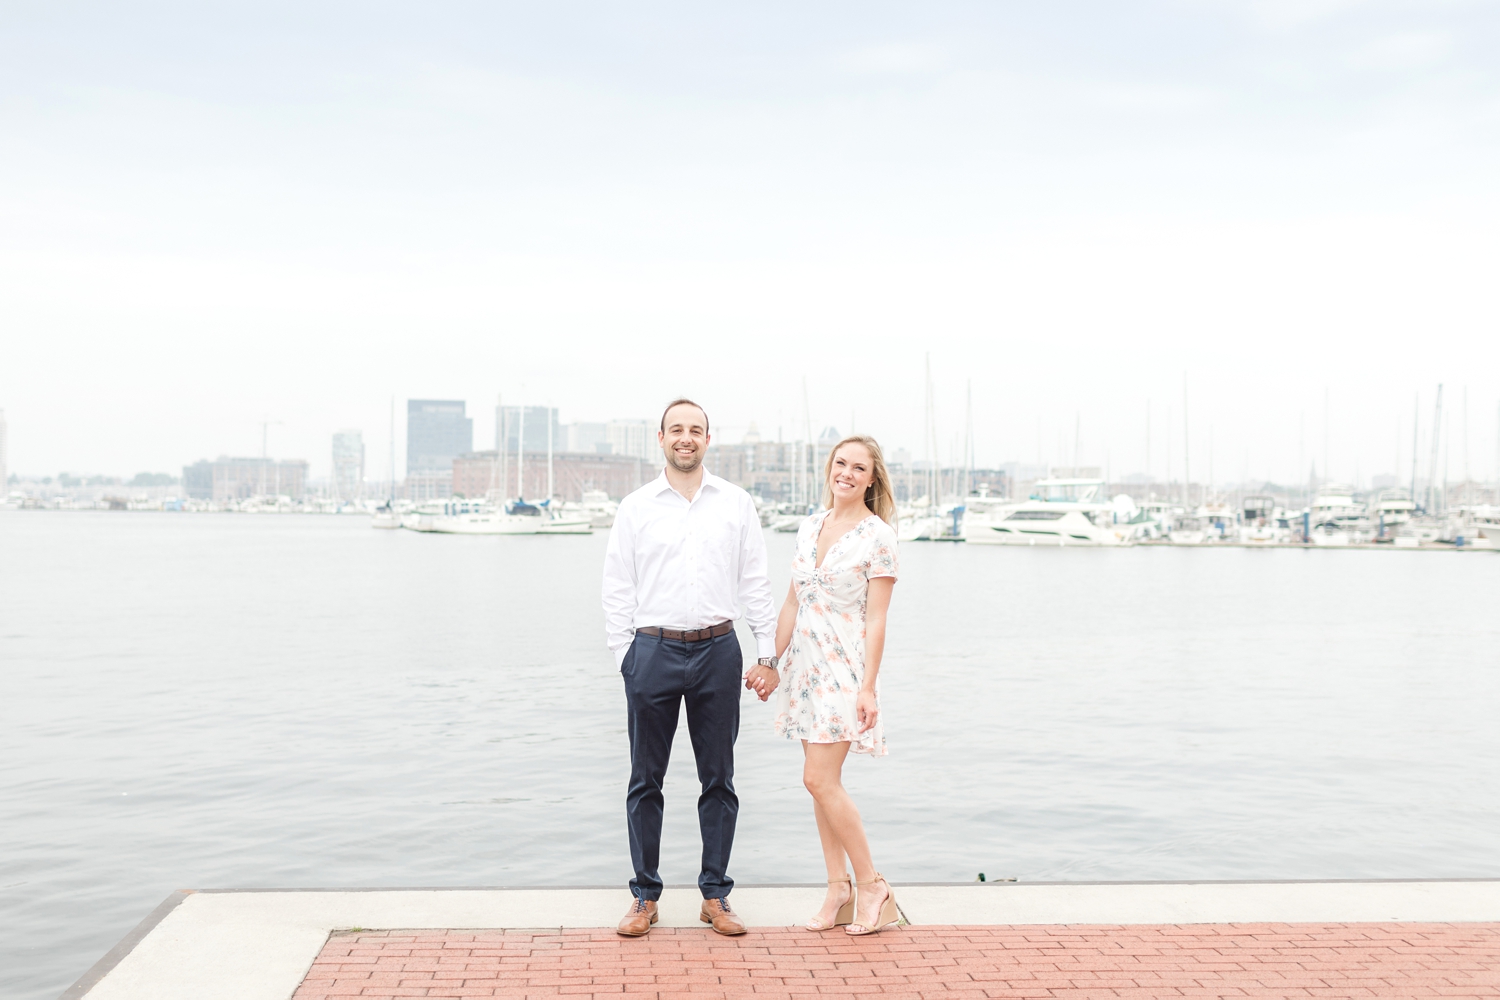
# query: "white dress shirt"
[[682, 564]]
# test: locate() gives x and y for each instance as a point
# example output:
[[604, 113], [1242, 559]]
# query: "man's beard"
[[685, 464]]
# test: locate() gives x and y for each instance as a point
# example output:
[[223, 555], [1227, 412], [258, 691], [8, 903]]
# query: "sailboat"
[[386, 516]]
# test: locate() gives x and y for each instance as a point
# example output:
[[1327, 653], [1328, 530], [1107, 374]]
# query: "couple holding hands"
[[685, 553]]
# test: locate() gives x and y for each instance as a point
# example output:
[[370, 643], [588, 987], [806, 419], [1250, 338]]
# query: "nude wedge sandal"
[[888, 912], [845, 914]]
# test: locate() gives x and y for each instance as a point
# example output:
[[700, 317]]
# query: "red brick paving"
[[952, 963]]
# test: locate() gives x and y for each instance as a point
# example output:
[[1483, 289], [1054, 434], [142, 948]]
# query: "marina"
[[1057, 512]]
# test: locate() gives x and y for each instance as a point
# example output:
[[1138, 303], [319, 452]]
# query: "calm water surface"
[[218, 700]]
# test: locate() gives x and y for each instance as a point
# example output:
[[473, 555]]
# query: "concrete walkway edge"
[[259, 944]]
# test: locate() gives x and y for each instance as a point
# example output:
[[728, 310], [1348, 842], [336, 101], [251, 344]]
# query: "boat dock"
[[1404, 938]]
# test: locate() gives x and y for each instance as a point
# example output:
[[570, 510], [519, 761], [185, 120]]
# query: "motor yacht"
[[1391, 510], [1059, 512], [1259, 523], [1334, 507], [983, 511], [1336, 518]]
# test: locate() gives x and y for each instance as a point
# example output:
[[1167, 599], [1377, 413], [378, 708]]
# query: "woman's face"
[[853, 471]]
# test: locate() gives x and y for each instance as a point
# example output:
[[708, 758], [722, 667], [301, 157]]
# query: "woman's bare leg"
[[822, 773], [833, 860]]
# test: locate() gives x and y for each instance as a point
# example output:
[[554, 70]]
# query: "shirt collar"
[[710, 481]]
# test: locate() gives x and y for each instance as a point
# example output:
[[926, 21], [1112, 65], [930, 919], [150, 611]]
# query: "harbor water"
[[235, 700]]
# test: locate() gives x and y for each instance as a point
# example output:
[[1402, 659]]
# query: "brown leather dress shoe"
[[718, 913], [640, 918]]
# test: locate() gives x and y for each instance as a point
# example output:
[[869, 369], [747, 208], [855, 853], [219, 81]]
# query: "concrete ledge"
[[259, 944]]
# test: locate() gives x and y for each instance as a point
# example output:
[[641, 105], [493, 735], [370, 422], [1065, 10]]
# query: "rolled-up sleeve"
[[619, 593], [755, 584]]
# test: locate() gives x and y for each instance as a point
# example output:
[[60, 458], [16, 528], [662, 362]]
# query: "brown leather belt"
[[690, 635]]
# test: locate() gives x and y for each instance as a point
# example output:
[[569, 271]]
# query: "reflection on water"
[[201, 700]]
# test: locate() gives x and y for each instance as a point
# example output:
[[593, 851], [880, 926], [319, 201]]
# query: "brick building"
[[227, 479], [485, 473]]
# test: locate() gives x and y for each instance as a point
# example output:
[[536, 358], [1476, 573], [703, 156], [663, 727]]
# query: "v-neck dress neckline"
[[837, 541]]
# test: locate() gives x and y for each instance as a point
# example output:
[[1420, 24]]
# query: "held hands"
[[762, 681], [865, 710]]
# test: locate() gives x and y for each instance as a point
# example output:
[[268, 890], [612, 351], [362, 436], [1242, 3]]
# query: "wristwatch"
[[767, 661]]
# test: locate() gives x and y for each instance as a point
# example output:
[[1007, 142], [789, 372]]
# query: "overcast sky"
[[215, 214]]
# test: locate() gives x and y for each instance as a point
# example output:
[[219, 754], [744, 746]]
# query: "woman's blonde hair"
[[878, 495]]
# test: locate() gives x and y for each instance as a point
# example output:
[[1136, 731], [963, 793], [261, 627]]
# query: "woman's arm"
[[877, 603], [786, 621], [764, 680]]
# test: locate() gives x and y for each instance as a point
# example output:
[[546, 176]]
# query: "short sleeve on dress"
[[882, 552]]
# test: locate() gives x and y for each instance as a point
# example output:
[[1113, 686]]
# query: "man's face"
[[685, 437]]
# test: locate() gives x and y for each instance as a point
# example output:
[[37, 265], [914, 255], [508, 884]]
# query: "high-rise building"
[[587, 439], [636, 438], [437, 432], [348, 465], [508, 425], [4, 455]]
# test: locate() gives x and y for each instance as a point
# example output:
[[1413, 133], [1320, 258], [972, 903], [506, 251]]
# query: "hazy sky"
[[214, 214]]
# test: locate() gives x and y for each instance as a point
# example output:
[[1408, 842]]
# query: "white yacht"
[[596, 506], [478, 517], [1213, 521], [1336, 518], [1392, 509], [1261, 523], [1335, 505], [1153, 519], [924, 521], [1476, 526], [785, 517], [982, 511], [386, 516], [555, 521], [1059, 512]]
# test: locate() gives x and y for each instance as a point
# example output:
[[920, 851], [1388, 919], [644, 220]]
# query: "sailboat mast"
[[1416, 441], [968, 437], [814, 493], [1187, 448], [929, 438], [502, 447], [1432, 467]]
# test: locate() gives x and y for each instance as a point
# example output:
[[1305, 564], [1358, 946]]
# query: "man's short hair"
[[683, 401]]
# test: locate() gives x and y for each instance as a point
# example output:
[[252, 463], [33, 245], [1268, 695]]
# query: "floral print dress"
[[825, 661]]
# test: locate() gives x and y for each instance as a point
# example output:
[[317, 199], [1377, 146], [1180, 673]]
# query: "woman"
[[831, 632]]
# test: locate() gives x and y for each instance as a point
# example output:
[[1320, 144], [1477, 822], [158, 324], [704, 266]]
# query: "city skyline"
[[1458, 460]]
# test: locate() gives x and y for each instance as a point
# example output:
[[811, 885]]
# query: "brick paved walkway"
[[953, 963]]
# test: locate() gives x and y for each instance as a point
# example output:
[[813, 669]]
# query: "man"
[[685, 552]]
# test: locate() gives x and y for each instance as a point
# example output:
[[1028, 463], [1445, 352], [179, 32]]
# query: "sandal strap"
[[871, 881], [838, 881]]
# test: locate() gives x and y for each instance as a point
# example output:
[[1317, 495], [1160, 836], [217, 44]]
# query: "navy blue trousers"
[[660, 675]]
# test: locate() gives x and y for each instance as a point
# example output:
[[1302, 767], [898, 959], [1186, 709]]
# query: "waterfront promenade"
[[1205, 939]]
